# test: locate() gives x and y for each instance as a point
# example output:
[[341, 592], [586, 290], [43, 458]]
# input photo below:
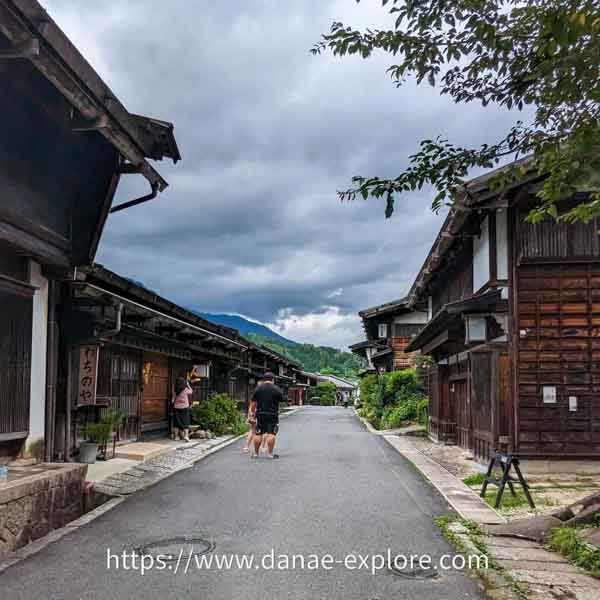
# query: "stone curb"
[[494, 582], [55, 535], [366, 423], [460, 496]]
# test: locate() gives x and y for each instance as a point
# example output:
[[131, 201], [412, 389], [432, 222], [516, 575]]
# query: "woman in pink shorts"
[[251, 420]]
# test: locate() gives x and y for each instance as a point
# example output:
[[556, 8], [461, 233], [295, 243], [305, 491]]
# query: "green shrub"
[[240, 427], [98, 433], [326, 392], [114, 417], [393, 400], [405, 381], [368, 413], [218, 413], [399, 414], [368, 389], [423, 411]]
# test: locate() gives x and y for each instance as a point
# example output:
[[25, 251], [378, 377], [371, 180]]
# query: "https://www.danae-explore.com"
[[187, 560]]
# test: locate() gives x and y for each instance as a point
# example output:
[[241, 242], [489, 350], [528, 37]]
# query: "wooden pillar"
[[51, 370]]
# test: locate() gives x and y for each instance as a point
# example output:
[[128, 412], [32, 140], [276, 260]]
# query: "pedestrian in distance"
[[251, 420], [265, 403], [181, 408]]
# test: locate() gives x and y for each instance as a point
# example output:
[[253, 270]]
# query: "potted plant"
[[95, 435], [113, 418]]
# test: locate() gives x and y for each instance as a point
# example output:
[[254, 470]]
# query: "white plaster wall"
[[38, 353], [502, 244], [410, 318], [369, 353], [481, 257]]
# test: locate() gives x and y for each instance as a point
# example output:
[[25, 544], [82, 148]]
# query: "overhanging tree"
[[541, 53]]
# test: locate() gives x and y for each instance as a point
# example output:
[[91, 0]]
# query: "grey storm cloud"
[[268, 132]]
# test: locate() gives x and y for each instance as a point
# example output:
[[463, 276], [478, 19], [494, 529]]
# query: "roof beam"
[[26, 49]]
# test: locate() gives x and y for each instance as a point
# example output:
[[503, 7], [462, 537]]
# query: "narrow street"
[[336, 490]]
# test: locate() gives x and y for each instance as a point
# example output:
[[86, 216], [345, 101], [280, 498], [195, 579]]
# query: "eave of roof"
[[363, 345], [118, 285], [449, 312], [62, 64], [473, 194], [334, 378], [381, 353], [400, 305]]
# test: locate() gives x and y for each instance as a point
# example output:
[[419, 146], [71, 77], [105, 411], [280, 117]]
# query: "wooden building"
[[299, 393], [139, 343], [513, 329], [288, 373], [345, 389], [389, 328], [66, 140]]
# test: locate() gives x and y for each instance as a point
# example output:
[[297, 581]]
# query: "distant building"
[[389, 328]]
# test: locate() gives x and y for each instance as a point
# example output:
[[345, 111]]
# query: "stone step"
[[142, 450]]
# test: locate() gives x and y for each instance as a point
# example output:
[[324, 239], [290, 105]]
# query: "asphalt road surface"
[[337, 490]]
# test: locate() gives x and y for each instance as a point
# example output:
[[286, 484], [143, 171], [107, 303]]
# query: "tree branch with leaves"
[[539, 53]]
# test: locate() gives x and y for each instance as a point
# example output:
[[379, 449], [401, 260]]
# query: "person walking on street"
[[265, 402], [251, 420], [181, 406]]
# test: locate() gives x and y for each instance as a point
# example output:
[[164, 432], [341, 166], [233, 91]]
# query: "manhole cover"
[[414, 572], [172, 549]]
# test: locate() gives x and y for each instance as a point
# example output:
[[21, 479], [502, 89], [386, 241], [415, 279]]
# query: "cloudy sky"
[[268, 132]]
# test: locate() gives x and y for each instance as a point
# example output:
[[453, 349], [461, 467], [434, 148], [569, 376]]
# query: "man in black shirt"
[[265, 403]]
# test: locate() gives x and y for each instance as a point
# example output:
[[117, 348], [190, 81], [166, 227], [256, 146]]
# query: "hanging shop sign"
[[147, 370], [87, 375]]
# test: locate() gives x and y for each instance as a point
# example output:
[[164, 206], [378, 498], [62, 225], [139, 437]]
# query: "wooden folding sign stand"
[[505, 462]]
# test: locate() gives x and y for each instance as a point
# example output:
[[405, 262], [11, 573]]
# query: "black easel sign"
[[505, 462]]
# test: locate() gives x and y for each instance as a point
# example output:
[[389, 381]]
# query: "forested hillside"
[[317, 359]]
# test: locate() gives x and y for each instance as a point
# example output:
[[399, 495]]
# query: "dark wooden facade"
[[514, 329], [15, 366], [66, 140], [139, 361]]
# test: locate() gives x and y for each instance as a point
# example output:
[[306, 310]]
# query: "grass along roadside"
[[466, 537], [568, 542], [510, 502]]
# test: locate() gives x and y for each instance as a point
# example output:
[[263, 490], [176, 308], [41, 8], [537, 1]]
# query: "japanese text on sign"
[[88, 375]]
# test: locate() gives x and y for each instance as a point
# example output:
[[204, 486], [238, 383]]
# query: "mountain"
[[245, 327], [316, 359]]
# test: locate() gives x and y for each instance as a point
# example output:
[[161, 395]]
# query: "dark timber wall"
[[557, 336], [559, 346], [53, 180]]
